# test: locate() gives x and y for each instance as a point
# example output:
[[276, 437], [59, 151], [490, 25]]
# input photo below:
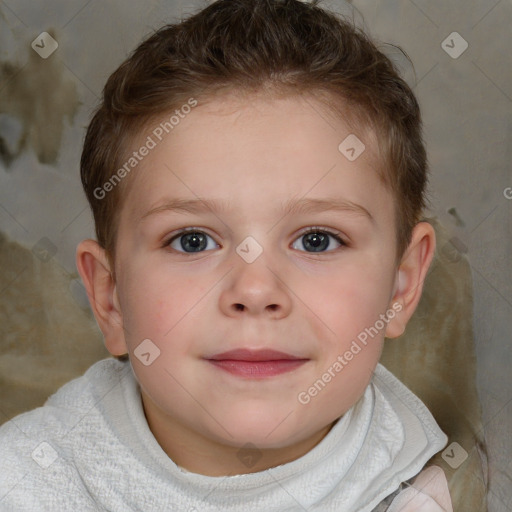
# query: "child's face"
[[254, 158]]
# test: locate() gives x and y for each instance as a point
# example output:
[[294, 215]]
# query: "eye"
[[191, 241], [318, 240], [313, 240]]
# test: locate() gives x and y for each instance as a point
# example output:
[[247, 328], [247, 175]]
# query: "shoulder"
[[65, 407], [428, 493], [39, 447]]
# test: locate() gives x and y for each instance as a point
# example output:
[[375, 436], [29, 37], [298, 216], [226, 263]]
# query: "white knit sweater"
[[90, 449]]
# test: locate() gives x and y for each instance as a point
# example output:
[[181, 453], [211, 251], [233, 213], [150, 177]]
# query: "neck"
[[196, 453]]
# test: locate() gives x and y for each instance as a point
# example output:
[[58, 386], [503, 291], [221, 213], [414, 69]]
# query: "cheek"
[[348, 308], [350, 300], [153, 303]]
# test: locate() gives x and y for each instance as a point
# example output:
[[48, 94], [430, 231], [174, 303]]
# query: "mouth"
[[256, 363]]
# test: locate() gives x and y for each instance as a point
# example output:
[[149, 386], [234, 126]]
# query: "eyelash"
[[314, 229]]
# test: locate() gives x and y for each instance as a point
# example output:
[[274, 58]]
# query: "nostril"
[[241, 307]]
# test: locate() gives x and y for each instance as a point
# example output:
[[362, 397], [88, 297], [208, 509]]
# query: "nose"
[[254, 289]]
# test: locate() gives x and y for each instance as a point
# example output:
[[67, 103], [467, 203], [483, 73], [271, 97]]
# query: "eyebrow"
[[292, 206]]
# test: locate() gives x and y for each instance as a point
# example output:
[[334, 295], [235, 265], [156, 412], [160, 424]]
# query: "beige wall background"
[[45, 103]]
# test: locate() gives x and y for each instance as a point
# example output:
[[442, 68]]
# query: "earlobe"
[[410, 277], [94, 269]]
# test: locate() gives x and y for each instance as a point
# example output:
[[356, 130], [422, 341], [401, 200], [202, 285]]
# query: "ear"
[[97, 276], [410, 276]]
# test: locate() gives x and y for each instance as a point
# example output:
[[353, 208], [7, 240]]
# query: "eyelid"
[[322, 229], [327, 231]]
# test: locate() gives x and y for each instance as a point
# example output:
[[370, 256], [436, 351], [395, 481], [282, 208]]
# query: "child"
[[257, 176]]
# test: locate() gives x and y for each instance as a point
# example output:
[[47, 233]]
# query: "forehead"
[[243, 148]]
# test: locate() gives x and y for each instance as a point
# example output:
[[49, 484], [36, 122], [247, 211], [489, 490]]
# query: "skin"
[[253, 155]]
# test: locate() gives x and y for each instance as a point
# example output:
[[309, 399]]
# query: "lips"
[[256, 363], [243, 354]]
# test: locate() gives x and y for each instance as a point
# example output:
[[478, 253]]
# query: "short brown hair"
[[284, 46]]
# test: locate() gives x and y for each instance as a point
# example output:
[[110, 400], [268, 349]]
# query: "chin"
[[265, 432]]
